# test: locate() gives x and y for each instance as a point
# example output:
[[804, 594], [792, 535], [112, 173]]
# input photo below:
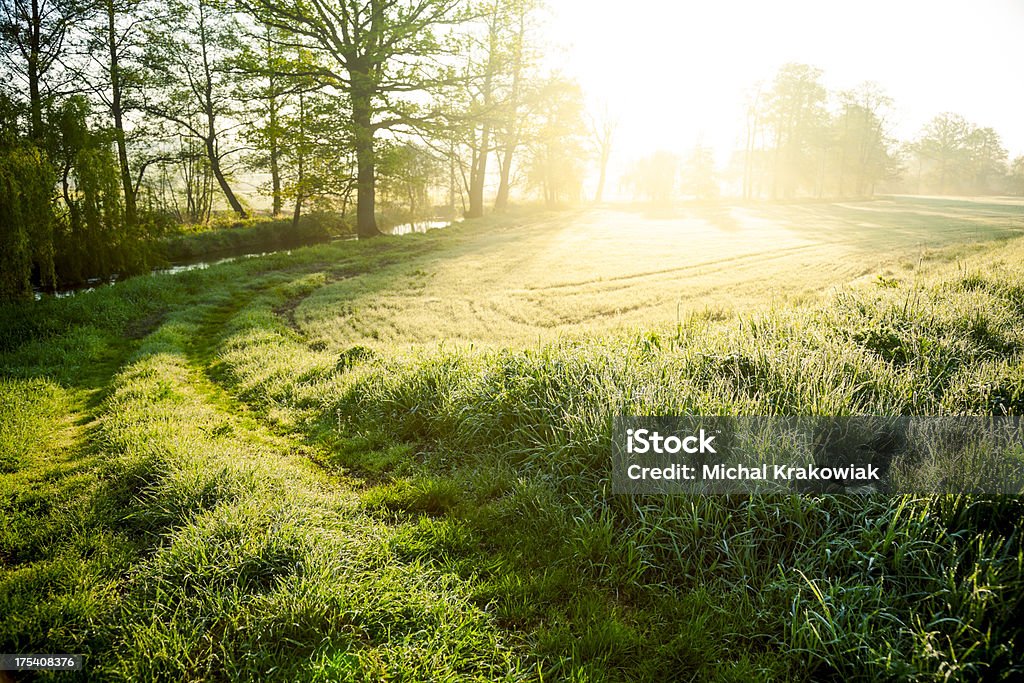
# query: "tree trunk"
[[117, 112], [477, 175], [512, 123], [504, 184], [211, 153], [297, 213], [366, 180], [275, 164], [35, 104], [605, 153], [300, 170], [210, 139], [35, 98], [451, 179], [273, 132]]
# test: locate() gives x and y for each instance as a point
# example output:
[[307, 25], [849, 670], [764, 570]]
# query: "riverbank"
[[263, 235], [193, 250]]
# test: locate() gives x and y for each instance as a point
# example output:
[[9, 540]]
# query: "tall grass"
[[509, 483], [226, 476]]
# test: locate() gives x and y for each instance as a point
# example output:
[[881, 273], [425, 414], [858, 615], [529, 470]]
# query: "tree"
[[520, 56], [752, 152], [482, 108], [93, 236], [487, 109], [377, 53], [986, 160], [188, 182], [955, 155], [864, 150], [26, 219], [602, 131], [654, 177], [944, 142], [698, 173], [34, 35], [77, 233], [114, 45], [1016, 176], [263, 63], [795, 115], [189, 57], [558, 144], [317, 160], [407, 173]]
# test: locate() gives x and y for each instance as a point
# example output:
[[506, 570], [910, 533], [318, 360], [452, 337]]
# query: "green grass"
[[250, 236], [390, 460]]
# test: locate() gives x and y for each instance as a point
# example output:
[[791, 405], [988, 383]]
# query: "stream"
[[200, 264]]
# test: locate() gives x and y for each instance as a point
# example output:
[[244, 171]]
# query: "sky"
[[675, 73]]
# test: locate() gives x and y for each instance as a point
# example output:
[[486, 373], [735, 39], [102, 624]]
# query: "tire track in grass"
[[47, 586], [557, 616], [267, 567], [60, 564]]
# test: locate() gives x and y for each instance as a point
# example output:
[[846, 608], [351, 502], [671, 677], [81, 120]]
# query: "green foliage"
[[796, 116], [50, 236], [406, 174], [799, 145], [26, 220], [253, 236], [953, 155], [94, 213], [557, 147]]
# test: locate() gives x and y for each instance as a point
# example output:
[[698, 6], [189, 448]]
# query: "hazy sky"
[[677, 72]]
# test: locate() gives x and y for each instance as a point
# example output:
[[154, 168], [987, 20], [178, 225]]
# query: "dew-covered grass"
[[391, 460]]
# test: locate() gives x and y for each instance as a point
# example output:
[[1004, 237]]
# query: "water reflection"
[[92, 283], [417, 226]]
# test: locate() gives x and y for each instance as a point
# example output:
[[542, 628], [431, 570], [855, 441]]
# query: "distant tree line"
[[801, 140], [122, 118], [953, 156], [797, 144]]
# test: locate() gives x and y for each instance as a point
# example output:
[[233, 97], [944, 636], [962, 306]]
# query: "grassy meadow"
[[390, 459]]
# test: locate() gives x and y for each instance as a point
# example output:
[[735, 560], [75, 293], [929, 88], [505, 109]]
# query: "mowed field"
[[521, 279], [390, 460]]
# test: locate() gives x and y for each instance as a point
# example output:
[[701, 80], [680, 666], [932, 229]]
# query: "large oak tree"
[[384, 55]]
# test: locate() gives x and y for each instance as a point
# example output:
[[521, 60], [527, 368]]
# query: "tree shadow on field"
[[717, 214], [903, 222]]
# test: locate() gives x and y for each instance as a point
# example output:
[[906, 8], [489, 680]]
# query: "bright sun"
[[677, 73]]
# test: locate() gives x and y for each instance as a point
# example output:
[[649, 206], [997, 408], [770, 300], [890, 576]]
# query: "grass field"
[[389, 460]]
